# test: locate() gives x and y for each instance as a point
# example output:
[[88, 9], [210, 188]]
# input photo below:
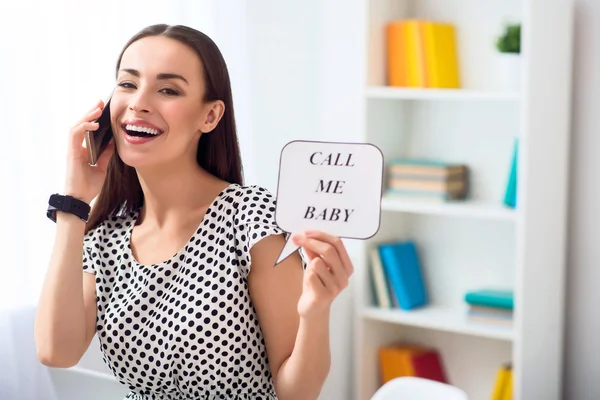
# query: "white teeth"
[[142, 129]]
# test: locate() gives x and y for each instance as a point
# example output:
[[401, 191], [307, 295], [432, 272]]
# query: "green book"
[[491, 298]]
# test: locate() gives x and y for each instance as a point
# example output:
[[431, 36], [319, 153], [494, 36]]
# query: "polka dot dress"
[[185, 328]]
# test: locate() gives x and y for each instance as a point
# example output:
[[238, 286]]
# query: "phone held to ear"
[[96, 141]]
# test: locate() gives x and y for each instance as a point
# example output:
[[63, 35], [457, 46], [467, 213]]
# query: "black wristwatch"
[[69, 205]]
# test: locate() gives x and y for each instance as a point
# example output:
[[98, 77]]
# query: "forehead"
[[158, 54]]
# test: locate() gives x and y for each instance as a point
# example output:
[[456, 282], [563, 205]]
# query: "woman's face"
[[157, 108]]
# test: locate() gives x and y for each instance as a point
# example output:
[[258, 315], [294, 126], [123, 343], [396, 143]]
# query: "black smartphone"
[[96, 141]]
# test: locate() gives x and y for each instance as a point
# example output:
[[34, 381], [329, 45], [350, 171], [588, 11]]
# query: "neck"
[[176, 192]]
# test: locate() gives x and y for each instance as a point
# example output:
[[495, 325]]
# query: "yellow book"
[[440, 55], [430, 34], [508, 386], [501, 384], [415, 59], [449, 59]]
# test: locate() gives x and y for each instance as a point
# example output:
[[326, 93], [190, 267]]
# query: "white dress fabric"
[[185, 328]]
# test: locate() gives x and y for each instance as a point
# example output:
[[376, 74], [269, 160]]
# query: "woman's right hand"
[[84, 181]]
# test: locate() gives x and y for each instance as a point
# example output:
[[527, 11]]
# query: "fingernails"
[[297, 237]]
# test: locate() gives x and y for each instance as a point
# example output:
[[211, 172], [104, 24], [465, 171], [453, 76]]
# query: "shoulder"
[[254, 214], [253, 204], [107, 230], [246, 194]]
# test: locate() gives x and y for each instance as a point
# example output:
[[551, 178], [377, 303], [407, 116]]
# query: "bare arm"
[[66, 315], [298, 348]]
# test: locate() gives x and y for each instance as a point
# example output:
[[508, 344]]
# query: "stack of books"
[[410, 360], [491, 306], [422, 54], [425, 179], [396, 276]]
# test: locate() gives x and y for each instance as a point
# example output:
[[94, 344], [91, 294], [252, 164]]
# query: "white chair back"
[[412, 388]]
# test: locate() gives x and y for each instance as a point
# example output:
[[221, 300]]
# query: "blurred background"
[[422, 79]]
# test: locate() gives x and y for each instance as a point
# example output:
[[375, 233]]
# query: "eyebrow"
[[161, 76]]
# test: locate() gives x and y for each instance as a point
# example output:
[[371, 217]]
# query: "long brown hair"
[[218, 151]]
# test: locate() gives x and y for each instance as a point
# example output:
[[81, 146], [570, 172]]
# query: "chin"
[[137, 161]]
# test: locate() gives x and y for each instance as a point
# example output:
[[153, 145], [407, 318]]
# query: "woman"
[[178, 254]]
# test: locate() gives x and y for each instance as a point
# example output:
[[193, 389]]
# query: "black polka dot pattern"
[[185, 328]]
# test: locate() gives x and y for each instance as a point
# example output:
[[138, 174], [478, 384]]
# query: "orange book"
[[396, 361], [396, 54]]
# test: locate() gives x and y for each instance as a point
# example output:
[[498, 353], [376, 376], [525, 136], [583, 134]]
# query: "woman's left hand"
[[327, 273]]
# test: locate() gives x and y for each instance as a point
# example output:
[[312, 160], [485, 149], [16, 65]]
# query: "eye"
[[170, 92], [126, 85]]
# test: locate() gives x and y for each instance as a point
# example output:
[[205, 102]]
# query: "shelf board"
[[441, 319], [471, 209], [385, 92]]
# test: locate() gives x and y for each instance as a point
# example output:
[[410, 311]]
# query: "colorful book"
[[410, 360], [428, 365], [422, 53], [426, 169], [510, 194], [491, 298], [403, 270], [380, 284], [395, 361], [503, 385]]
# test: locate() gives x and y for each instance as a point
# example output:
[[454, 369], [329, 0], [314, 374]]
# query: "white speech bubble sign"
[[329, 186]]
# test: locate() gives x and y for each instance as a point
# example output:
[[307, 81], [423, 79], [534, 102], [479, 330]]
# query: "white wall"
[[306, 85], [583, 315], [283, 43]]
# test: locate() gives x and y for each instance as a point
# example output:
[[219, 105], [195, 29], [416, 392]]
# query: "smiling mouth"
[[141, 131]]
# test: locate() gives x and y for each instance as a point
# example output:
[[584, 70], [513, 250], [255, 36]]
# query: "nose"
[[140, 103]]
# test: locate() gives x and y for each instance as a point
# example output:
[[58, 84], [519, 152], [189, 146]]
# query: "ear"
[[216, 109]]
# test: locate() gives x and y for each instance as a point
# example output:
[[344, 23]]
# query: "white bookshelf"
[[383, 92], [441, 319], [467, 209], [480, 242]]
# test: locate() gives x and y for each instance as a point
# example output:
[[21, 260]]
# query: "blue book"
[[510, 194], [403, 270]]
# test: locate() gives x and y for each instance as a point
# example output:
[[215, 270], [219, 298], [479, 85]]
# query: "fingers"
[[88, 126], [92, 114], [78, 131], [318, 249], [326, 254], [337, 243], [330, 248], [321, 279]]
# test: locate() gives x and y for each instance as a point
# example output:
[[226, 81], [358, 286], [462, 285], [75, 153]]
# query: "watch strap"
[[68, 204]]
